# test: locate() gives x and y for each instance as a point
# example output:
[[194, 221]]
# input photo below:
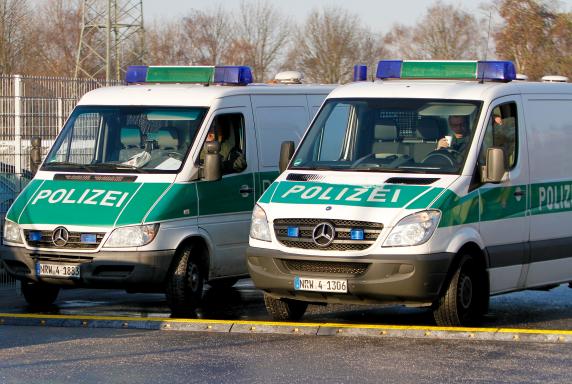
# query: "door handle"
[[519, 193], [245, 190]]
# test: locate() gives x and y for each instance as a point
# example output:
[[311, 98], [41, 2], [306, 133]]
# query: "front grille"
[[74, 241], [342, 240], [354, 269]]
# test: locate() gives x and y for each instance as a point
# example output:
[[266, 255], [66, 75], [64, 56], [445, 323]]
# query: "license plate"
[[68, 271], [320, 285]]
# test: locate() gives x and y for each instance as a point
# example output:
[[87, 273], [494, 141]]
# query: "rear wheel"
[[39, 294], [285, 309], [466, 299], [185, 282]]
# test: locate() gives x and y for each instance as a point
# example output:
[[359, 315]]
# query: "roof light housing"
[[458, 69], [220, 74]]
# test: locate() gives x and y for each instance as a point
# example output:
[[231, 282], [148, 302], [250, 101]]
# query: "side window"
[[502, 133], [228, 130], [333, 133]]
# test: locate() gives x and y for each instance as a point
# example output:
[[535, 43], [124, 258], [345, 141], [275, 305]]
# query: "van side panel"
[[278, 118], [549, 132]]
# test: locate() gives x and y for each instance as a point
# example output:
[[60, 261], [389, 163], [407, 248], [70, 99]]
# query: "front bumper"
[[391, 279], [137, 271]]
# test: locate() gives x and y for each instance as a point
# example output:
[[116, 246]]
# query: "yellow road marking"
[[297, 325]]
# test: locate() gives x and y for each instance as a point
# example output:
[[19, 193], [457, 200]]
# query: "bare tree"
[[14, 20], [261, 34], [445, 33], [55, 32], [208, 35], [330, 43], [167, 44], [535, 36]]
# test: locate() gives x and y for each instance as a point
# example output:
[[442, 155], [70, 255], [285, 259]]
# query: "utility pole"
[[112, 37]]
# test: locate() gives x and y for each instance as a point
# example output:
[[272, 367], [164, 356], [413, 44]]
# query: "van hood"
[[353, 196], [85, 203]]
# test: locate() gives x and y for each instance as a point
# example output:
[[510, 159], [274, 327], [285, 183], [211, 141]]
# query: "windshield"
[[125, 139], [390, 135]]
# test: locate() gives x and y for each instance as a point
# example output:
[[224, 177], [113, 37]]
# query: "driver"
[[460, 138]]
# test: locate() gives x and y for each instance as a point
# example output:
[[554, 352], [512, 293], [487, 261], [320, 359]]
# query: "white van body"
[[481, 238], [186, 217]]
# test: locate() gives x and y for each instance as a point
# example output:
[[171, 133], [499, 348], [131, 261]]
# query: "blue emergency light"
[[470, 70], [220, 74], [357, 234], [293, 232], [360, 72], [34, 236], [88, 238]]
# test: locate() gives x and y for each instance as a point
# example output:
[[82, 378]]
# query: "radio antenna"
[[487, 44]]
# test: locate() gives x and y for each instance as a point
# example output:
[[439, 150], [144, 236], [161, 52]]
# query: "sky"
[[378, 15]]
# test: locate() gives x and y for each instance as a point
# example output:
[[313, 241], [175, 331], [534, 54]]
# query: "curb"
[[307, 329]]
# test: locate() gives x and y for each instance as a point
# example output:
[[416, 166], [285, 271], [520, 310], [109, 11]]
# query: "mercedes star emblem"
[[60, 236], [323, 234]]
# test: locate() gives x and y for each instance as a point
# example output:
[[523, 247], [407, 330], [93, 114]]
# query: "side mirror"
[[286, 153], [35, 154], [213, 164], [494, 168]]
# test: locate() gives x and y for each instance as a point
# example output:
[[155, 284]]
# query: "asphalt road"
[[83, 355], [527, 309]]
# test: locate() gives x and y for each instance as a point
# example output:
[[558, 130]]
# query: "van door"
[[548, 125], [504, 224], [225, 206]]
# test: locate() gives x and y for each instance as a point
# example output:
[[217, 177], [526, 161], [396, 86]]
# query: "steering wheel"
[[444, 156], [362, 161]]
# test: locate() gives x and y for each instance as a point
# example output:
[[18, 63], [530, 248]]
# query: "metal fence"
[[31, 106]]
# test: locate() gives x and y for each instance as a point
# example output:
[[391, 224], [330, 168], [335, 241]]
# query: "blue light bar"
[[473, 70], [88, 238], [496, 70], [136, 74], [357, 234], [293, 232], [233, 74], [360, 72], [34, 236]]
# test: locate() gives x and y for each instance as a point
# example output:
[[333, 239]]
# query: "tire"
[[39, 294], [223, 283], [285, 309], [185, 282], [466, 299]]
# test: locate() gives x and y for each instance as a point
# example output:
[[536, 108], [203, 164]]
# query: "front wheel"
[[285, 309], [466, 299], [185, 282], [39, 294]]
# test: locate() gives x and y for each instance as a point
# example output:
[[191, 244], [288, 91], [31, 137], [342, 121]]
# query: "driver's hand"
[[442, 143]]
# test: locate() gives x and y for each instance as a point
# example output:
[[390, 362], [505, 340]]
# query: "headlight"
[[413, 229], [135, 236], [259, 228], [12, 232]]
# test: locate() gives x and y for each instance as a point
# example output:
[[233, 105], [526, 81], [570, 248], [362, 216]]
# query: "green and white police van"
[[129, 197], [437, 185]]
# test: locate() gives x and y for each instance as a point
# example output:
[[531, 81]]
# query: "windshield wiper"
[[67, 164], [118, 166]]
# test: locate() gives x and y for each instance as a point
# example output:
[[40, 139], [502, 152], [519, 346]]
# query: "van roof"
[[189, 94], [445, 89]]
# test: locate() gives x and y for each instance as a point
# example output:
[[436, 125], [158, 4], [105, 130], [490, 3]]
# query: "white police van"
[[129, 198], [378, 206]]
